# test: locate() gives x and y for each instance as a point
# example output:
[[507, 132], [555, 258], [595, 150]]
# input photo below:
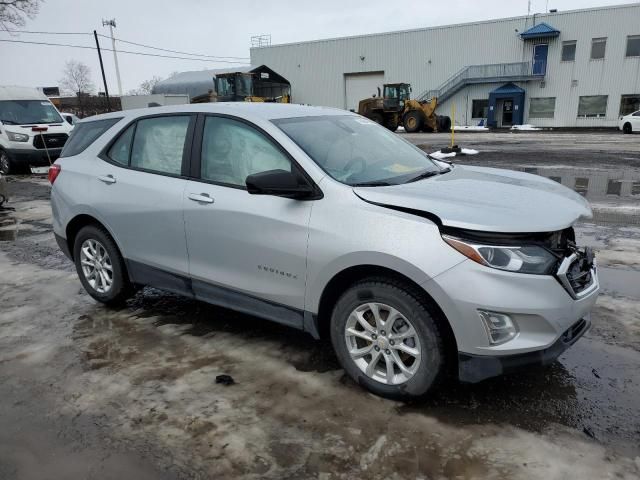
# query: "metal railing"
[[479, 74]]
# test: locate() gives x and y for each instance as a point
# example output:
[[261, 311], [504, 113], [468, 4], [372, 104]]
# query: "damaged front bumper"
[[475, 368]]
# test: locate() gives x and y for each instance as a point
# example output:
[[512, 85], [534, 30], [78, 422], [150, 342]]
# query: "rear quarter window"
[[84, 134]]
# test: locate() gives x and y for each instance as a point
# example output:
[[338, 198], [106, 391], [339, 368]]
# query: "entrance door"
[[507, 113], [359, 86], [540, 59]]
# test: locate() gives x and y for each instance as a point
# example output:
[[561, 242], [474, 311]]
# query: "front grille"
[[50, 140], [579, 275], [576, 272]]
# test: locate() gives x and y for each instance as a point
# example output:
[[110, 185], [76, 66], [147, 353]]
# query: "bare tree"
[[76, 79], [146, 87], [15, 12]]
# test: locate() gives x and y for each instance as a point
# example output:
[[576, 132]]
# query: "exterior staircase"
[[473, 74]]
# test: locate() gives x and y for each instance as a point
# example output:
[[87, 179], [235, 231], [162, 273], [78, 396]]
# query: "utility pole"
[[104, 78], [112, 23]]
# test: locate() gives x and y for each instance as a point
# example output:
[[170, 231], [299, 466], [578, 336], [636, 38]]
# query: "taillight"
[[54, 171]]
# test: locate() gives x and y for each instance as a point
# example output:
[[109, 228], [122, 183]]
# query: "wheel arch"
[[350, 275], [82, 220]]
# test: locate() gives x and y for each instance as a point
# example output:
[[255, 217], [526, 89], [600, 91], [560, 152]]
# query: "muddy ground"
[[89, 392]]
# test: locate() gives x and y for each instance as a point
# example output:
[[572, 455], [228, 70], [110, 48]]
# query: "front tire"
[[413, 121], [626, 128], [386, 339], [100, 266], [5, 163]]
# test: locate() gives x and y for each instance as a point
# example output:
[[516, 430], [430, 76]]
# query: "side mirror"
[[279, 183]]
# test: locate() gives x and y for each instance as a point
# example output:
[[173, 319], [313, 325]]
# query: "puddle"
[[8, 226], [614, 194]]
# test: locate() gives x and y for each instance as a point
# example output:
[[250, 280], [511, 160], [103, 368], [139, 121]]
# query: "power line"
[[131, 43], [174, 51], [49, 44]]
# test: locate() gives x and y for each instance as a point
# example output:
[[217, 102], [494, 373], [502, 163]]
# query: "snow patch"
[[525, 127]]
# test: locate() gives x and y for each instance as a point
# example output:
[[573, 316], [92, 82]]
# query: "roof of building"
[[546, 15], [195, 83], [541, 30]]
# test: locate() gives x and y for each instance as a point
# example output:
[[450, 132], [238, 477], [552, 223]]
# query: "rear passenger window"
[[120, 150], [84, 134], [232, 150], [158, 144]]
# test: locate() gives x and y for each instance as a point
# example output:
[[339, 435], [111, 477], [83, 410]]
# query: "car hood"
[[486, 199]]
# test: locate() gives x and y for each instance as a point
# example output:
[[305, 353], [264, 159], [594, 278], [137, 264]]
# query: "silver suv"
[[322, 220]]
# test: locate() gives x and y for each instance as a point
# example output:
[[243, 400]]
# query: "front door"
[[540, 59], [254, 246], [507, 113]]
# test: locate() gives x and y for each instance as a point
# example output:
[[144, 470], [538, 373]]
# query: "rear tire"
[[412, 345], [391, 122], [626, 128], [413, 121], [100, 266]]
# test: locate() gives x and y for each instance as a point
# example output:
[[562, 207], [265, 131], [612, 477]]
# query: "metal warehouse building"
[[577, 68]]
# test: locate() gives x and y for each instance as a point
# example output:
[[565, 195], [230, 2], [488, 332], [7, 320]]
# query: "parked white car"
[[70, 118], [630, 123], [32, 132]]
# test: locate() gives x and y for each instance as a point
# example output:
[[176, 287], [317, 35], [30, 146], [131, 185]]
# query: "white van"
[[32, 132]]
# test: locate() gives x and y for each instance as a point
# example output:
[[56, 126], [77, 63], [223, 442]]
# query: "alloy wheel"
[[96, 265], [383, 343]]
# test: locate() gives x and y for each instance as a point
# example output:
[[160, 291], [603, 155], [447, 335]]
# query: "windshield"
[[224, 86], [23, 112], [355, 150], [244, 84]]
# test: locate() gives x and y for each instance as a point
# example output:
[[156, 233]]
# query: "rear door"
[[138, 189], [254, 245]]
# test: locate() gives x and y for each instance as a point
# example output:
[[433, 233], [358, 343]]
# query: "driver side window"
[[232, 150]]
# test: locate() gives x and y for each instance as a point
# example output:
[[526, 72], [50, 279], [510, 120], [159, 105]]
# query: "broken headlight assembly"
[[531, 259]]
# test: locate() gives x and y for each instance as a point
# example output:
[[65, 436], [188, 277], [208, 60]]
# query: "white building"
[[577, 68]]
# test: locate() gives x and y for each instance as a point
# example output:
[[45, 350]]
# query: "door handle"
[[200, 198], [108, 179]]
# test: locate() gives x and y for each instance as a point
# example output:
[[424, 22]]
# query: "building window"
[[633, 46], [556, 179], [592, 106], [635, 188], [569, 51], [479, 108], [629, 104], [614, 187], [542, 107], [598, 46], [581, 186]]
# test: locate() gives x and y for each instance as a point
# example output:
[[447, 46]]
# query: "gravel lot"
[[89, 392]]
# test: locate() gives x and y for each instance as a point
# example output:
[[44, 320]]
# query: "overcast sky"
[[222, 28]]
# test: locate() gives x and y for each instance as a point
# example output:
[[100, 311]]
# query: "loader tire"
[[413, 121], [444, 123]]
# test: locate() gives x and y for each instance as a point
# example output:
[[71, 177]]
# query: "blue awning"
[[542, 30], [506, 89]]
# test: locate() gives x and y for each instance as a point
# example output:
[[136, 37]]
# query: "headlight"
[[18, 137], [521, 259]]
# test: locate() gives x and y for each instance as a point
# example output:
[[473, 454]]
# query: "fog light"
[[500, 328]]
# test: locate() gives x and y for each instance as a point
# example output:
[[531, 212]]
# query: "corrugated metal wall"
[[428, 57]]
